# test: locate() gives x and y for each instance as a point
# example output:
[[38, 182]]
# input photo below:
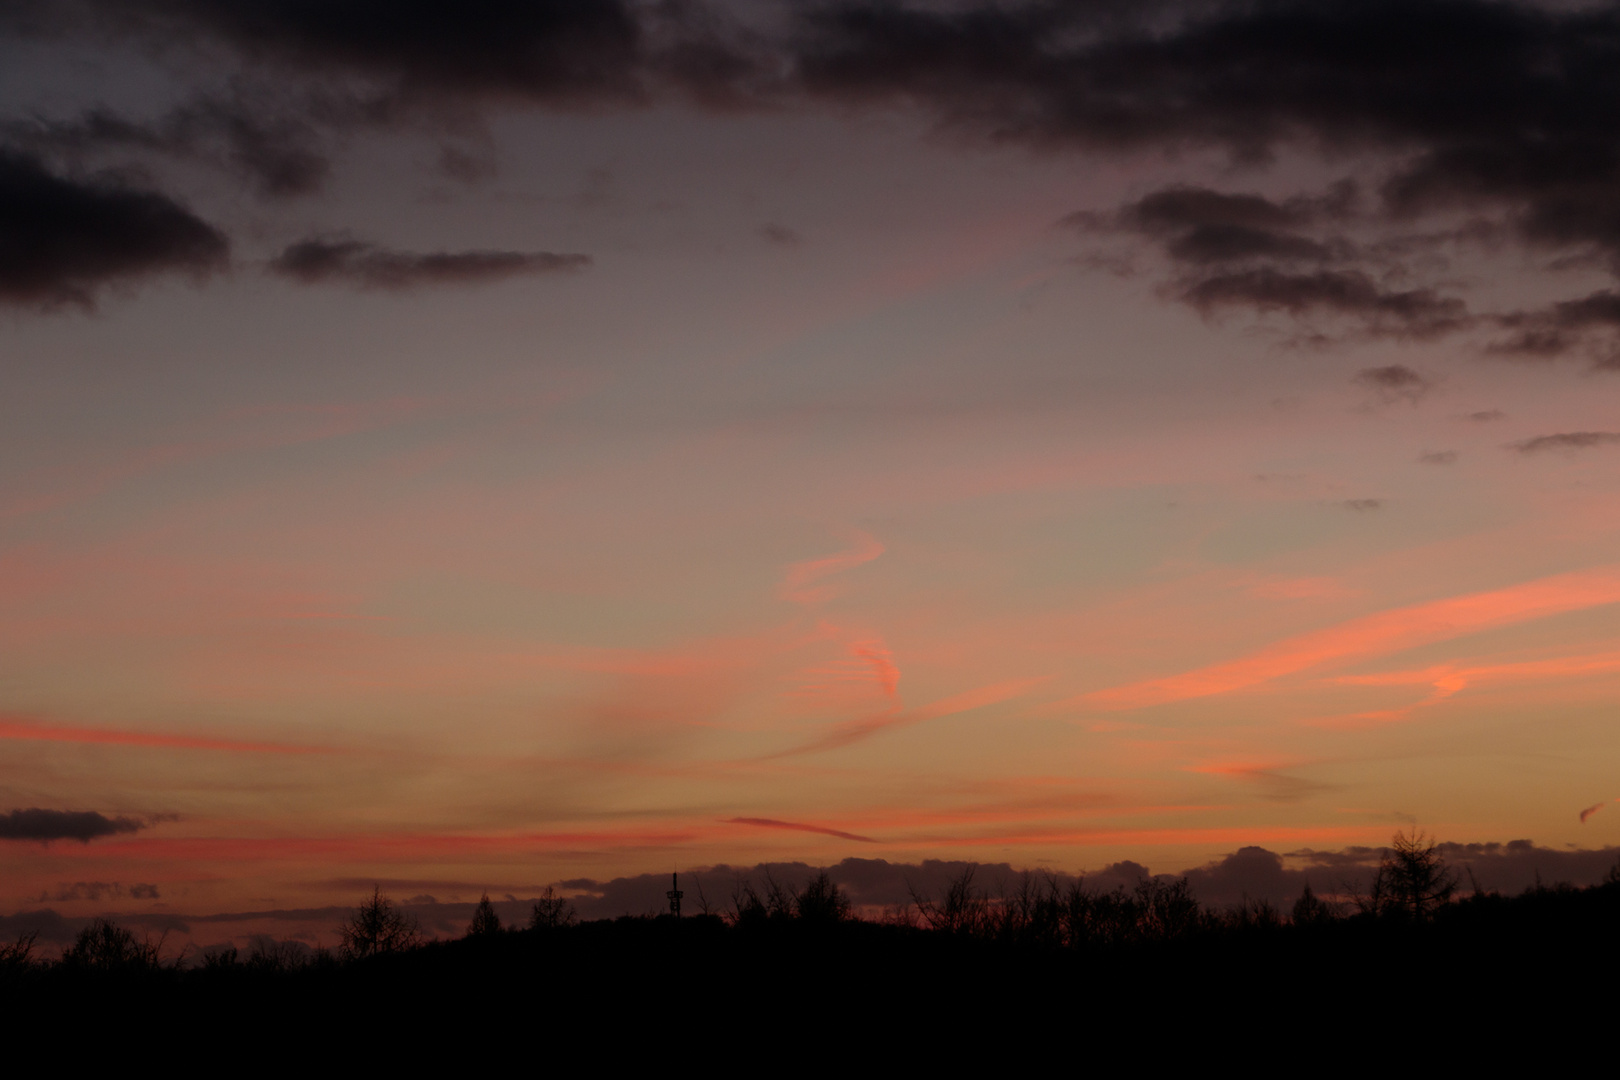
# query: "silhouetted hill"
[[1480, 969]]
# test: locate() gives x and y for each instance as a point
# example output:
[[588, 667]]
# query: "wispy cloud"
[[1447, 680], [797, 826], [1567, 442], [1373, 635], [27, 729], [853, 731], [799, 583]]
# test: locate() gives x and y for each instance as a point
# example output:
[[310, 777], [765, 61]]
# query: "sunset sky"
[[495, 443]]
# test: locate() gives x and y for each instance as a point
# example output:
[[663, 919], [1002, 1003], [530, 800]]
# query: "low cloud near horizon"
[[46, 825], [1248, 874]]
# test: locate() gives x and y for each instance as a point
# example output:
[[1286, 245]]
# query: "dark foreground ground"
[[1484, 979]]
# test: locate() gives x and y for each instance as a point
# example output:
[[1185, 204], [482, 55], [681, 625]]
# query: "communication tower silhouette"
[[675, 895]]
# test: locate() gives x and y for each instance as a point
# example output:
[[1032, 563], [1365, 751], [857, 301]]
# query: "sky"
[[487, 445]]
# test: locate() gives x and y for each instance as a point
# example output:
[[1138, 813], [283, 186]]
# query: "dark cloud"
[[62, 240], [47, 925], [1496, 111], [351, 262], [1248, 252], [1209, 244], [48, 825], [1438, 457], [1394, 382], [1486, 416], [1567, 442], [1363, 506], [1200, 226], [1411, 313], [780, 235], [1589, 323], [538, 50], [1479, 100], [798, 826], [275, 147]]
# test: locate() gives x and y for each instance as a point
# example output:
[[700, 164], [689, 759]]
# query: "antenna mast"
[[675, 895]]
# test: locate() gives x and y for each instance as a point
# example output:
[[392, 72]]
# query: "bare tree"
[[106, 946], [379, 926], [20, 955], [964, 910]]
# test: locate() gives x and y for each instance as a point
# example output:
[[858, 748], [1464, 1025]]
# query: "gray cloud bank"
[[1251, 873], [47, 825], [62, 239], [371, 267], [1497, 118], [1248, 874]]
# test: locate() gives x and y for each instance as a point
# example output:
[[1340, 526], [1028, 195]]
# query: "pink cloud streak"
[[12, 727], [1372, 635]]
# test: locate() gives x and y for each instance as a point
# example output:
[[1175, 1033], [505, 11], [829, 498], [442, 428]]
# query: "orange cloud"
[[264, 427], [867, 664], [1169, 837], [1304, 588], [1372, 635], [1447, 679], [388, 847], [798, 584], [25, 729], [852, 731], [1590, 810]]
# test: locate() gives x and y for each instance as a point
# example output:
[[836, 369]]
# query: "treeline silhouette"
[[788, 957]]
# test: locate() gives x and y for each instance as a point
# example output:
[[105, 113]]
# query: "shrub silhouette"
[[265, 953], [379, 926], [484, 920], [778, 903], [18, 956], [551, 911], [106, 946]]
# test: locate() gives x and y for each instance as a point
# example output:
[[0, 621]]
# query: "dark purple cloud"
[[63, 240], [1567, 442], [47, 825], [1497, 112], [351, 262], [1394, 382]]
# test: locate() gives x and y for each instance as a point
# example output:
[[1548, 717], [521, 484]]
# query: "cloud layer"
[[62, 239], [367, 266], [1491, 117], [48, 825]]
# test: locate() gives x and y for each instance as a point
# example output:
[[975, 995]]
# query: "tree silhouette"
[[822, 900], [379, 926], [551, 911], [106, 946], [1310, 909], [964, 910], [1412, 881], [484, 920]]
